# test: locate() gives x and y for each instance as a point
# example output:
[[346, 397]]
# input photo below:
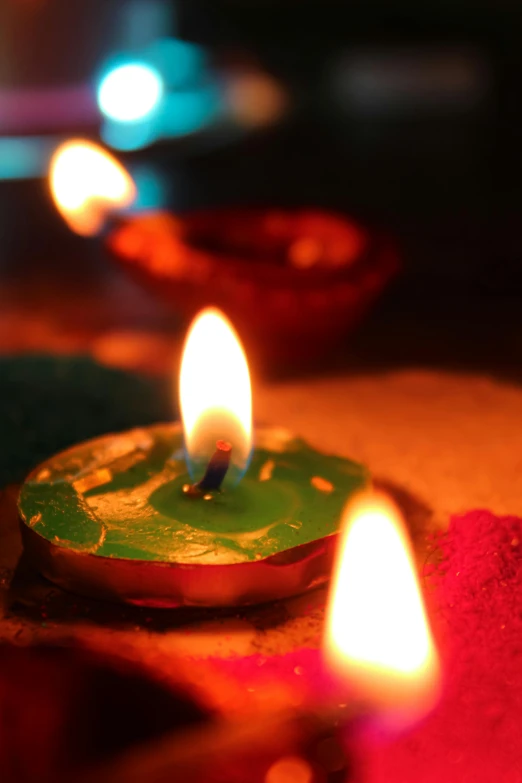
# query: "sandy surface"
[[455, 441]]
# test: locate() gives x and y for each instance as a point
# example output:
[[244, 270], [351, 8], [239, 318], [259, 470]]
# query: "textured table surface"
[[440, 442]]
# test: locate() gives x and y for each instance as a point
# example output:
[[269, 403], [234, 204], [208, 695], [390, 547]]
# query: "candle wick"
[[215, 473]]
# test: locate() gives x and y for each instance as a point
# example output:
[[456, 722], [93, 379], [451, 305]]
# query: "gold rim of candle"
[[168, 585]]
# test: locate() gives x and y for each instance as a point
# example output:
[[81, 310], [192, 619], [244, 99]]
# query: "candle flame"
[[378, 638], [215, 394], [87, 183]]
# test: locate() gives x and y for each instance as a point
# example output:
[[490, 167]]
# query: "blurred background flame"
[[87, 183]]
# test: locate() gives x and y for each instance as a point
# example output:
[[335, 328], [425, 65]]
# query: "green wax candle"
[[109, 518], [112, 517]]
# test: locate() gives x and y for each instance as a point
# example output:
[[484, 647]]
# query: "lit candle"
[[378, 642], [216, 402], [192, 514]]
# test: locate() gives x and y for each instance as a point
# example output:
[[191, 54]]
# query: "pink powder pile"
[[475, 733]]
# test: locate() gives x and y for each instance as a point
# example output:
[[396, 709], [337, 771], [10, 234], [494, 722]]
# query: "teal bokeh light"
[[165, 90], [182, 64], [129, 136]]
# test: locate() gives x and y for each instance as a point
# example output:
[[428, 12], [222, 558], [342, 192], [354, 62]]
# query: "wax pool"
[[120, 498]]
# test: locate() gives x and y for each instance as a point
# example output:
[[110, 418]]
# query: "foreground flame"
[[378, 637], [215, 393], [86, 183]]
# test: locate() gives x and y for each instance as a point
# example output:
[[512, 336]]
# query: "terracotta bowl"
[[293, 282]]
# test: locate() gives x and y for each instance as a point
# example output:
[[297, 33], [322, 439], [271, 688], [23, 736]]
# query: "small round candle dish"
[[109, 519], [293, 282]]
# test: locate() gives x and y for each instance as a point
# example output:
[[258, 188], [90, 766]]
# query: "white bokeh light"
[[130, 92]]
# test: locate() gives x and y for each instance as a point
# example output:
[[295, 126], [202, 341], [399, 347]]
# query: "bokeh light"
[[25, 157], [256, 98], [189, 111], [182, 64], [129, 136], [87, 184], [130, 92]]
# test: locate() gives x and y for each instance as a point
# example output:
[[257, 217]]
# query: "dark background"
[[408, 116]]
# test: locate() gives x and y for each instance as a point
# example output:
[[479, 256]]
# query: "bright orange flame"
[[86, 183], [215, 393], [378, 637]]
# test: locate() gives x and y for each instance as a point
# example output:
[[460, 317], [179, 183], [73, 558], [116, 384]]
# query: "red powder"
[[475, 733]]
